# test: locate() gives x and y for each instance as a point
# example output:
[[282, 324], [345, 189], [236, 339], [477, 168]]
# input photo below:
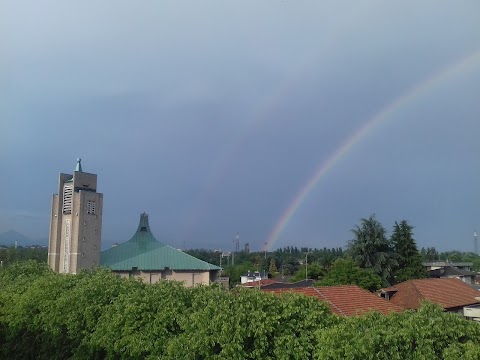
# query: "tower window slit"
[[91, 207], [67, 199]]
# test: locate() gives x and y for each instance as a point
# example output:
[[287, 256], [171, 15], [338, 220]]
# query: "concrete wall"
[[189, 278]]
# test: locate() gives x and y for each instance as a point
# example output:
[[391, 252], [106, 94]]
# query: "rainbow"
[[455, 69], [267, 104]]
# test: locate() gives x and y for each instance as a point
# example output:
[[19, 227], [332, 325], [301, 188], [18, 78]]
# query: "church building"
[[146, 258], [75, 240]]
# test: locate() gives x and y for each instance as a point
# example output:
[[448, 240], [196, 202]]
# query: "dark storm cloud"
[[212, 116]]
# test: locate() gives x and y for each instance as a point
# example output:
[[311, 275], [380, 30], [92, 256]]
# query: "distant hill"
[[8, 239]]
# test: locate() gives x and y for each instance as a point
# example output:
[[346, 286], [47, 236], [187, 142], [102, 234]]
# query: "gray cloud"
[[211, 116]]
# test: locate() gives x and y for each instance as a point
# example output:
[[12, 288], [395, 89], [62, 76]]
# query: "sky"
[[285, 121]]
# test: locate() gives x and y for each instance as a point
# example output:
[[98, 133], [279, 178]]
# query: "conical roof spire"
[[143, 226], [79, 165]]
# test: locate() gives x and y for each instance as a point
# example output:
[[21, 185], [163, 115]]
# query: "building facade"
[[76, 223], [150, 260]]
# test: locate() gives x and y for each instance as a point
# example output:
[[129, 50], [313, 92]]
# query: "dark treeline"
[[9, 255], [379, 258], [98, 315], [288, 261]]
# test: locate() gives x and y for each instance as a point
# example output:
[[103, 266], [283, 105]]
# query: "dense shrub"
[[97, 315]]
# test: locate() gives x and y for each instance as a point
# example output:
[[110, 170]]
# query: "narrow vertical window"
[[67, 199], [91, 207]]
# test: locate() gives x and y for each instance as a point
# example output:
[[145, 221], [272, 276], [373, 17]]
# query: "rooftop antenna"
[[475, 241]]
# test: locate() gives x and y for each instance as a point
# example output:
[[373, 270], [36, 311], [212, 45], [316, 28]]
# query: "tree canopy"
[[371, 249], [98, 315], [347, 272], [409, 261]]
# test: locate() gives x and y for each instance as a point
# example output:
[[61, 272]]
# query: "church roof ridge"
[[144, 252]]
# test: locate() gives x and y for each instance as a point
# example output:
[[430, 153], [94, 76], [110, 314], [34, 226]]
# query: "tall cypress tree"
[[407, 255]]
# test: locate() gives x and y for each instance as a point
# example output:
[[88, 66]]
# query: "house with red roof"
[[452, 294], [344, 300]]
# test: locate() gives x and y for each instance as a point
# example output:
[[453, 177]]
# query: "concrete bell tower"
[[76, 223]]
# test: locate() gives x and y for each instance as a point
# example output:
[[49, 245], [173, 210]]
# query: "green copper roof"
[[79, 165], [145, 252]]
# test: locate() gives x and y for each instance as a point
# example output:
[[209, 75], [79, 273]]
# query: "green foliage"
[[314, 271], [371, 249], [235, 272], [23, 272], [249, 324], [288, 261], [83, 305], [429, 254], [41, 310], [347, 272], [26, 299], [409, 261], [429, 333], [141, 322], [476, 264], [272, 269], [10, 255], [98, 315]]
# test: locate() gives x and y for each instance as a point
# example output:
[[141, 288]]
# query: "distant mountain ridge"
[[8, 238]]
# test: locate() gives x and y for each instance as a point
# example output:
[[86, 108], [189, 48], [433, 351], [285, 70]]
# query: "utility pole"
[[306, 264], [475, 241], [237, 242]]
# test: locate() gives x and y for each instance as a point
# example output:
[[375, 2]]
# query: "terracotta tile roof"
[[447, 292], [346, 300]]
